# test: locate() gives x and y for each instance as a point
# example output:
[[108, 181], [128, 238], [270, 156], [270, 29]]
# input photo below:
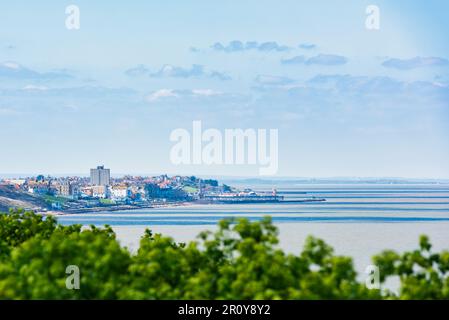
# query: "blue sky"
[[347, 101]]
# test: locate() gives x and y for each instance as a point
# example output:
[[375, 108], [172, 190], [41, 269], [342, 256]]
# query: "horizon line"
[[118, 175]]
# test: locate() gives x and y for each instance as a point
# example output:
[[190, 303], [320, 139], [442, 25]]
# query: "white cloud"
[[162, 93], [195, 97], [237, 45], [11, 65], [179, 72], [171, 71]]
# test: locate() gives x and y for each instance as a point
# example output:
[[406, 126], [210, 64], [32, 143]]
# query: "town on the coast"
[[100, 191]]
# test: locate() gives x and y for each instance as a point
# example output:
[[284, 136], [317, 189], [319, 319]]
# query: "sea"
[[357, 220]]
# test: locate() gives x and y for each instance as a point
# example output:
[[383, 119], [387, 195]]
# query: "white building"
[[119, 192]]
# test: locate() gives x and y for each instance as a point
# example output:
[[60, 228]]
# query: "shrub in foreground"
[[241, 260]]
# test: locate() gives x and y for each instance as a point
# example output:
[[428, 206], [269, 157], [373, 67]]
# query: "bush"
[[240, 260]]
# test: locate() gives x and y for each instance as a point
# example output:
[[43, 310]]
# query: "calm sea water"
[[344, 204], [357, 220]]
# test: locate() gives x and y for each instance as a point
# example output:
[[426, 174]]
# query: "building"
[[68, 189], [120, 192], [100, 176], [64, 189], [100, 192], [87, 192], [16, 182]]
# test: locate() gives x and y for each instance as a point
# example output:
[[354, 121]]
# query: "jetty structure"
[[249, 196], [245, 196]]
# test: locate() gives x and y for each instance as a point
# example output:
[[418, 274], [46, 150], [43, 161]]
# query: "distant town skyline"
[[346, 101], [115, 175]]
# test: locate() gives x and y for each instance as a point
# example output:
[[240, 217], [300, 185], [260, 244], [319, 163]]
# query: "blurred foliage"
[[241, 260], [423, 274]]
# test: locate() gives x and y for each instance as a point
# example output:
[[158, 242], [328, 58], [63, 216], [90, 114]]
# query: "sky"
[[346, 101]]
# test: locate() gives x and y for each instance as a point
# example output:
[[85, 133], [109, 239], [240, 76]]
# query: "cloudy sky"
[[347, 101]]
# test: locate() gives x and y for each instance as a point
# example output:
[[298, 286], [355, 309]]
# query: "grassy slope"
[[12, 198]]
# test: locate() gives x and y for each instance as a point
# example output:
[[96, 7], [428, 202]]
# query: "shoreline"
[[111, 209], [157, 206]]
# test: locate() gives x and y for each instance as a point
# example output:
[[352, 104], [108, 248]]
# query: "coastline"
[[103, 209], [113, 209]]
